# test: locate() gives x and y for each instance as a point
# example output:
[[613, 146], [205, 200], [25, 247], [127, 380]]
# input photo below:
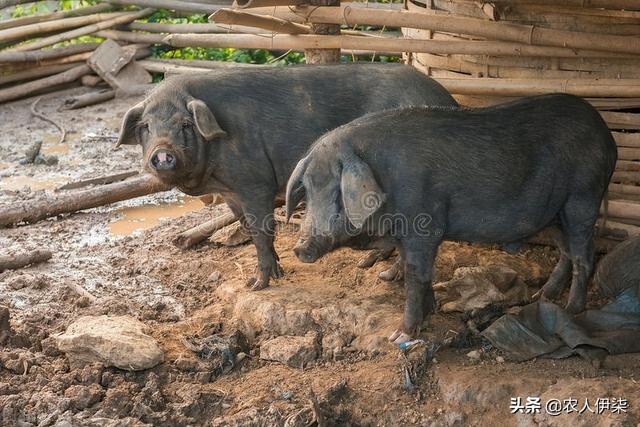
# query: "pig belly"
[[502, 222]]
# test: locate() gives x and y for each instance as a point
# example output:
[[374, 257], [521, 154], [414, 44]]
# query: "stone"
[[294, 351], [118, 341], [231, 235], [82, 397], [214, 277], [474, 354]]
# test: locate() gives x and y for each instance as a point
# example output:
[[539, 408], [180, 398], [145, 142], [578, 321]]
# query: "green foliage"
[[75, 4], [245, 56]]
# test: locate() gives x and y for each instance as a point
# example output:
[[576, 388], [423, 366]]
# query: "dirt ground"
[[358, 377]]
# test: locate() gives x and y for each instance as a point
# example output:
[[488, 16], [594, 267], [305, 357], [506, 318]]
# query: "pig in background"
[[491, 175], [240, 132]]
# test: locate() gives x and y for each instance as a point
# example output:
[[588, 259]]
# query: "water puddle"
[[50, 145], [18, 182], [138, 218]]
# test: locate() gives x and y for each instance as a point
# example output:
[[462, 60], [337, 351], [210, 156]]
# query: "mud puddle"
[[137, 218], [18, 182]]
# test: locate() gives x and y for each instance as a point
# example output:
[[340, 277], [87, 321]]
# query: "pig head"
[[176, 136], [341, 199]]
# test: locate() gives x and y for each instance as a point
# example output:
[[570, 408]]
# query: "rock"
[[474, 354], [83, 396], [5, 327], [500, 359], [290, 350], [231, 235], [117, 341], [214, 277]]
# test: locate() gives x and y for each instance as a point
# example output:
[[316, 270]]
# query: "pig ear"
[[295, 187], [127, 129], [361, 194], [205, 122]]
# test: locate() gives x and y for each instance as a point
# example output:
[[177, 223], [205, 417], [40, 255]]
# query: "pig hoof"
[[536, 296], [398, 337], [369, 260], [255, 284], [575, 307], [391, 275], [277, 272]]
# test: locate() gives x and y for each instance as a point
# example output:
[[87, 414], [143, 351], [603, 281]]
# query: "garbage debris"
[[544, 329], [473, 288]]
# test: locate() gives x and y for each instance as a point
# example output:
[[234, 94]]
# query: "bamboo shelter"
[[482, 52]]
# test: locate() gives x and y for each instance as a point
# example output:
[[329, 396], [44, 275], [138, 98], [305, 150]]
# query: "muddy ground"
[[123, 256]]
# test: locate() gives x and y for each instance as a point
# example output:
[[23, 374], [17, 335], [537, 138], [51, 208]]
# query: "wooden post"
[[323, 56]]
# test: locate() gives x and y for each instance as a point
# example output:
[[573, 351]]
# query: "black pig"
[[240, 132], [489, 175]]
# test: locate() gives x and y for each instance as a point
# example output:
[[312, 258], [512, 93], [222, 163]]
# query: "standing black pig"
[[240, 132], [492, 175]]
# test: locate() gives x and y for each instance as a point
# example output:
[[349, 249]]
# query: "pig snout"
[[163, 160], [308, 250]]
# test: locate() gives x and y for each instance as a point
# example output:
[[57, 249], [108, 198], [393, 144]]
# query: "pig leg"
[[579, 218], [561, 274], [419, 297], [261, 225], [379, 254]]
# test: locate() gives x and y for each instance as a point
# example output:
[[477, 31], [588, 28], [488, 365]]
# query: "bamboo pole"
[[25, 89], [269, 23], [14, 262], [188, 28], [629, 154], [34, 73], [624, 209], [197, 234], [91, 80], [593, 15], [73, 201], [624, 139], [177, 5], [627, 165], [308, 41], [196, 63], [129, 37], [624, 189], [626, 177], [8, 3], [89, 29], [603, 4], [34, 19], [621, 120], [34, 30], [526, 87], [524, 34], [157, 67], [87, 99], [245, 4], [44, 54], [478, 70]]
